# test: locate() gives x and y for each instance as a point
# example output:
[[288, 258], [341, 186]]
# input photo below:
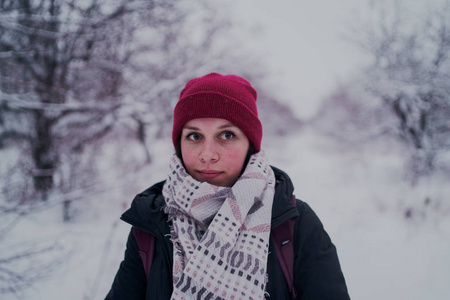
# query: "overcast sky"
[[304, 43]]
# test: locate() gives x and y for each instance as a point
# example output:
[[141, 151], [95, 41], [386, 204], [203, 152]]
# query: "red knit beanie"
[[228, 97]]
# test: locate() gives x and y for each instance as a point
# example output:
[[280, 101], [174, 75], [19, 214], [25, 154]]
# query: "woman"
[[212, 217]]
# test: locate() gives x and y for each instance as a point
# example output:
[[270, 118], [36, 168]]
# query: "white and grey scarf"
[[220, 234]]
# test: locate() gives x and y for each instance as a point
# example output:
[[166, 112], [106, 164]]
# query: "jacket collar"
[[282, 208], [146, 211]]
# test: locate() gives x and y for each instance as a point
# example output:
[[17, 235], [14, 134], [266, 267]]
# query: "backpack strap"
[[283, 237], [146, 245]]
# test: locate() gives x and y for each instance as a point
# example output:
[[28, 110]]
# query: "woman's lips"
[[209, 174]]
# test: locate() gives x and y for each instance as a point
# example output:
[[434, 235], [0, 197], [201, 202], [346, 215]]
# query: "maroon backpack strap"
[[283, 237], [146, 245]]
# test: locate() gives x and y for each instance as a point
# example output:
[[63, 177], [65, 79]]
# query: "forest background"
[[354, 98]]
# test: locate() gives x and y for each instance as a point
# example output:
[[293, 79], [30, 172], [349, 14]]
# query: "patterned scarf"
[[220, 234]]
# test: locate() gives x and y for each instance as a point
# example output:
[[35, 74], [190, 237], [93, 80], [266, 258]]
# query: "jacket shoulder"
[[318, 273], [146, 208]]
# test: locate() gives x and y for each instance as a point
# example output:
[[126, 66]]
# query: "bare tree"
[[404, 92], [410, 75], [61, 74]]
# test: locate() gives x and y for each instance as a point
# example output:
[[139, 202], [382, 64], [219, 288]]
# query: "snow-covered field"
[[358, 194]]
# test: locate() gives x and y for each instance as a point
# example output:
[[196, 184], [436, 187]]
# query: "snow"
[[358, 194], [360, 197]]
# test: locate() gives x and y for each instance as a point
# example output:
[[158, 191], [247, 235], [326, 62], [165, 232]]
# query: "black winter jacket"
[[317, 273]]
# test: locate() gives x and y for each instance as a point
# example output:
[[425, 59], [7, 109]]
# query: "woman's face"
[[214, 150]]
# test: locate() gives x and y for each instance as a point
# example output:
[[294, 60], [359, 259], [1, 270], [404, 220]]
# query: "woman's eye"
[[228, 135], [193, 136]]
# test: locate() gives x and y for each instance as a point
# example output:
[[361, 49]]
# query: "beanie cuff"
[[217, 105]]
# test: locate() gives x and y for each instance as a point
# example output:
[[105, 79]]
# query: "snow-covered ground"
[[358, 194]]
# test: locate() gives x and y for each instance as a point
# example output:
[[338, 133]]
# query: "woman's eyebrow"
[[190, 128], [227, 126], [221, 127]]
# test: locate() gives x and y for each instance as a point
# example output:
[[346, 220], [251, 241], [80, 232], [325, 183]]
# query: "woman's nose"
[[209, 152]]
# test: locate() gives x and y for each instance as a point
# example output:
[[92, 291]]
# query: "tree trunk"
[[44, 156], [67, 211]]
